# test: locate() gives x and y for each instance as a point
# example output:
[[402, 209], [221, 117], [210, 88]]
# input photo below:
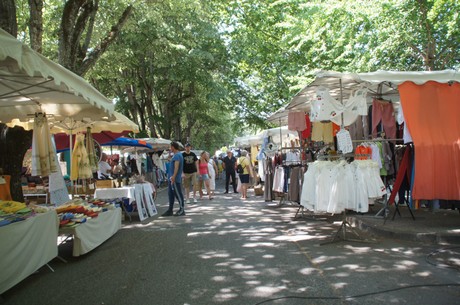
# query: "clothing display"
[[324, 107], [334, 186], [296, 121], [407, 138], [383, 112], [322, 132], [431, 113]]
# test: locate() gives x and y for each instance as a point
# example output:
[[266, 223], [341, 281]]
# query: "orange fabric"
[[432, 113], [335, 129], [363, 152], [5, 193]]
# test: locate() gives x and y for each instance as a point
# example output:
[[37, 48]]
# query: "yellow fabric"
[[80, 168], [322, 132]]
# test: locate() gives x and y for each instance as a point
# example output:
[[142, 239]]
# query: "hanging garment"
[[278, 179], [324, 107], [80, 168], [407, 138], [382, 111], [296, 121], [306, 133], [431, 112], [5, 187], [43, 153], [294, 184], [322, 132], [333, 187], [268, 184]]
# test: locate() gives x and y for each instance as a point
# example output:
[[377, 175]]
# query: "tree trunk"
[[14, 143], [36, 24], [91, 58], [8, 20]]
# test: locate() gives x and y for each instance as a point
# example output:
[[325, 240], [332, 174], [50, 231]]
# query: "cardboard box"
[[259, 190], [104, 184]]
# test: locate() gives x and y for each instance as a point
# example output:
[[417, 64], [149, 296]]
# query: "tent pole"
[[70, 158], [281, 137]]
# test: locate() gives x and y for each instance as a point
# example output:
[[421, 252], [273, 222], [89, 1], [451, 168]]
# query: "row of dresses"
[[335, 186]]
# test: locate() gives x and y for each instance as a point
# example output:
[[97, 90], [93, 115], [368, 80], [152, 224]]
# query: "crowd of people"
[[192, 173], [190, 177]]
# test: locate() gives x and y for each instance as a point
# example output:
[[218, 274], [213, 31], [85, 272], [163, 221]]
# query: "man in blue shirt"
[[175, 169]]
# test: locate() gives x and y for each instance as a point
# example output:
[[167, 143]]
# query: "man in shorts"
[[190, 172]]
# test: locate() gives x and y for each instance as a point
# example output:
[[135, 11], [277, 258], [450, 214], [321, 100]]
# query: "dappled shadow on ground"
[[229, 251]]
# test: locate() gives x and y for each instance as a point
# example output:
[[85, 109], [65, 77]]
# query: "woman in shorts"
[[204, 174]]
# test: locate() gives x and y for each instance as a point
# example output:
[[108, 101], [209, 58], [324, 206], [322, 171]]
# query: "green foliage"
[[206, 71]]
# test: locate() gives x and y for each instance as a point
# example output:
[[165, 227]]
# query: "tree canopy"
[[207, 70]]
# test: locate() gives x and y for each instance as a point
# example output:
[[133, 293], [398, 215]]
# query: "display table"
[[93, 232], [141, 193], [25, 246]]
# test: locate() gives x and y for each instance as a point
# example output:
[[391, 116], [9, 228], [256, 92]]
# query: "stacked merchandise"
[[79, 211], [14, 211]]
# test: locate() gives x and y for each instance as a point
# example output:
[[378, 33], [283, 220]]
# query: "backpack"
[[239, 169]]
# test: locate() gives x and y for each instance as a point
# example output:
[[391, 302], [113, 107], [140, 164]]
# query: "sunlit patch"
[[255, 245], [213, 254], [404, 265], [266, 291], [268, 256], [307, 271], [237, 259], [339, 285], [241, 266], [224, 296], [358, 250], [325, 258], [423, 274], [342, 274], [249, 273], [351, 266], [219, 278], [252, 283]]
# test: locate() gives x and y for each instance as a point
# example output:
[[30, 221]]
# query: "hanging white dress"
[[43, 153]]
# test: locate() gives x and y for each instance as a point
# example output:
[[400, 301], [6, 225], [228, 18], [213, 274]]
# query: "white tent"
[[30, 83], [279, 135], [342, 85]]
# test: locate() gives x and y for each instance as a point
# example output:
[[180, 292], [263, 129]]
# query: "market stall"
[[380, 109], [92, 233], [25, 246], [139, 199]]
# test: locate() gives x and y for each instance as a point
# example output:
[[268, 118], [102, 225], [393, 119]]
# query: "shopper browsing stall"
[[175, 170]]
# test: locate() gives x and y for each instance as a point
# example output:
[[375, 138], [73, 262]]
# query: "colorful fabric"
[[432, 112]]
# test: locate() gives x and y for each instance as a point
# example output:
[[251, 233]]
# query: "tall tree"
[[36, 24], [78, 19], [8, 17]]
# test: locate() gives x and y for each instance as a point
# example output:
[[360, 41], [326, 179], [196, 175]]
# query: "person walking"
[[204, 174], [247, 172], [229, 164], [190, 172], [213, 171], [175, 170]]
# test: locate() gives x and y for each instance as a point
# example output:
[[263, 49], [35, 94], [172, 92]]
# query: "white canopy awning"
[[30, 83], [341, 85]]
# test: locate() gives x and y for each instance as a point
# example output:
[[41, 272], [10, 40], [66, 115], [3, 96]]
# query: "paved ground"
[[227, 251]]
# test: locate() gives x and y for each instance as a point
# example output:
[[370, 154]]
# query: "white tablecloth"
[[112, 193], [140, 192], [26, 246], [94, 232]]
